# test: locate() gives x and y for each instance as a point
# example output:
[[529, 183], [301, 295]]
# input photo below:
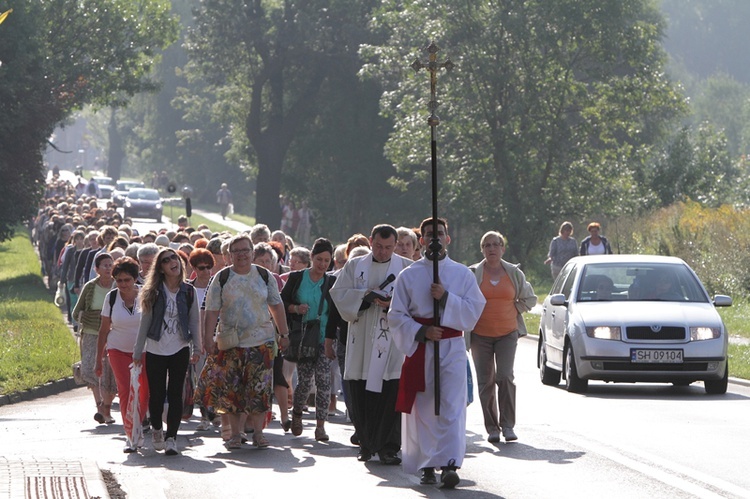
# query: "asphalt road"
[[616, 441]]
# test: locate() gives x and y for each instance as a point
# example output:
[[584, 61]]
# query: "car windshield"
[[103, 180], [640, 281], [144, 194], [126, 186]]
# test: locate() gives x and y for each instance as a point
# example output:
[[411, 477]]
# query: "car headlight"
[[704, 333], [127, 203], [604, 332], [158, 206]]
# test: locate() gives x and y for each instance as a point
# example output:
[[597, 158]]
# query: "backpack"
[[224, 275]]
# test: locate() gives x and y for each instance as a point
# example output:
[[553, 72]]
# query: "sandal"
[[99, 418], [260, 440], [234, 443], [296, 423], [320, 434], [108, 418]]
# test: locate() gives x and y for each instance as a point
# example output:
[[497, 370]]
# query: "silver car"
[[631, 318]]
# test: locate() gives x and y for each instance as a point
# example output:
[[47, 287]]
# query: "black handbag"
[[304, 336]]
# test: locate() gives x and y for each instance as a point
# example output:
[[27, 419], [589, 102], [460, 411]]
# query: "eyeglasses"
[[169, 258], [493, 245], [203, 267], [243, 251]]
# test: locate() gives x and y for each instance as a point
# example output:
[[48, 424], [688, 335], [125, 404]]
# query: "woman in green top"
[[302, 295], [87, 312]]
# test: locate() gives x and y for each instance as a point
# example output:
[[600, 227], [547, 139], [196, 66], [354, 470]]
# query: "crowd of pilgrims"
[[155, 311]]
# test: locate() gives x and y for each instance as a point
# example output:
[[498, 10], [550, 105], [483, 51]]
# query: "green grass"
[[238, 217], [35, 344], [739, 361], [737, 318]]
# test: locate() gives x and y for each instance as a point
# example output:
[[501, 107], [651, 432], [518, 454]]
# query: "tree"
[[51, 69], [267, 62], [695, 165], [551, 111]]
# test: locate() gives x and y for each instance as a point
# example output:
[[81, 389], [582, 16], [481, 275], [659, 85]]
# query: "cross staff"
[[435, 246]]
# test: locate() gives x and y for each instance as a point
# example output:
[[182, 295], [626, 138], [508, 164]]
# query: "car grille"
[[665, 333]]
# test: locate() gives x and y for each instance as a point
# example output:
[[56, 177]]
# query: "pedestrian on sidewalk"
[[224, 199], [88, 312], [121, 316]]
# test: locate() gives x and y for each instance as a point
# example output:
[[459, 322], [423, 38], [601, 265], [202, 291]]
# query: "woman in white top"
[[170, 336], [121, 316]]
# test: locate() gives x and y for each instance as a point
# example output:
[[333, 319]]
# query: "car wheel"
[[158, 218], [573, 383], [718, 386], [549, 376]]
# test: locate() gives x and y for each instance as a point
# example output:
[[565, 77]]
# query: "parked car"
[[121, 190], [631, 318], [106, 186], [143, 203]]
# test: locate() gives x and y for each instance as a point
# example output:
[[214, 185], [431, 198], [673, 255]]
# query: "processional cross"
[[433, 66]]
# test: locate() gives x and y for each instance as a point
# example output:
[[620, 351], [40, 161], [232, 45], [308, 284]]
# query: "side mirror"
[[558, 300], [722, 301]]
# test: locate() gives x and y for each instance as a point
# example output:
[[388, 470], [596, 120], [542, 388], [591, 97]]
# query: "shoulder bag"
[[304, 336]]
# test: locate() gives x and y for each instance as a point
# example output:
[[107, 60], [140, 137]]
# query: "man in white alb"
[[428, 440], [372, 364]]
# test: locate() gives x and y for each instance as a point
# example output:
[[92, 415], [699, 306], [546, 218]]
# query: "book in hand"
[[372, 295]]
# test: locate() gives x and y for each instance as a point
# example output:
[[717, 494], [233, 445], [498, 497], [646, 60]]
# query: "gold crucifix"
[[433, 67]]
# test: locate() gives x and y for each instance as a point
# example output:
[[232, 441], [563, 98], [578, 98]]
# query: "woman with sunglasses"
[[169, 333], [202, 262]]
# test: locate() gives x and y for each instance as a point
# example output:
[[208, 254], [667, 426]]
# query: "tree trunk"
[[116, 152], [268, 187]]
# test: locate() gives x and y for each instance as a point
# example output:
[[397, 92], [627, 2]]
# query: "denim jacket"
[[155, 319]]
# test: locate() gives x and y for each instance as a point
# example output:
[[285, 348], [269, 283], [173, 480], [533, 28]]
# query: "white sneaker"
[[129, 447], [171, 447], [157, 437], [204, 425]]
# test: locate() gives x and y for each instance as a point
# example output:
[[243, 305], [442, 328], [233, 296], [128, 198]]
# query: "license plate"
[[654, 356]]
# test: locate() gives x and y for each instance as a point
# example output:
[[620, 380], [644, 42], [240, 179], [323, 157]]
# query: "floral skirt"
[[237, 380], [88, 361]]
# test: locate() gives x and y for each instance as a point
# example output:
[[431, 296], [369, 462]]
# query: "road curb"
[[51, 388]]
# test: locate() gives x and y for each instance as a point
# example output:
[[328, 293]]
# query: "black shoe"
[[449, 478], [363, 455], [428, 476], [354, 439], [389, 458]]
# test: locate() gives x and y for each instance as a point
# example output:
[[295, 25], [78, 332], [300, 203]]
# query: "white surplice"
[[369, 355], [428, 440]]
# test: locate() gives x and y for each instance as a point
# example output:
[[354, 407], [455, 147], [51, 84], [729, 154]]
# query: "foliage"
[[722, 101], [49, 70], [696, 164], [35, 345], [552, 110], [266, 63]]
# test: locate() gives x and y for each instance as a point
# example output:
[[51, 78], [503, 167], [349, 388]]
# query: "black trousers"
[[166, 378], [374, 415]]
